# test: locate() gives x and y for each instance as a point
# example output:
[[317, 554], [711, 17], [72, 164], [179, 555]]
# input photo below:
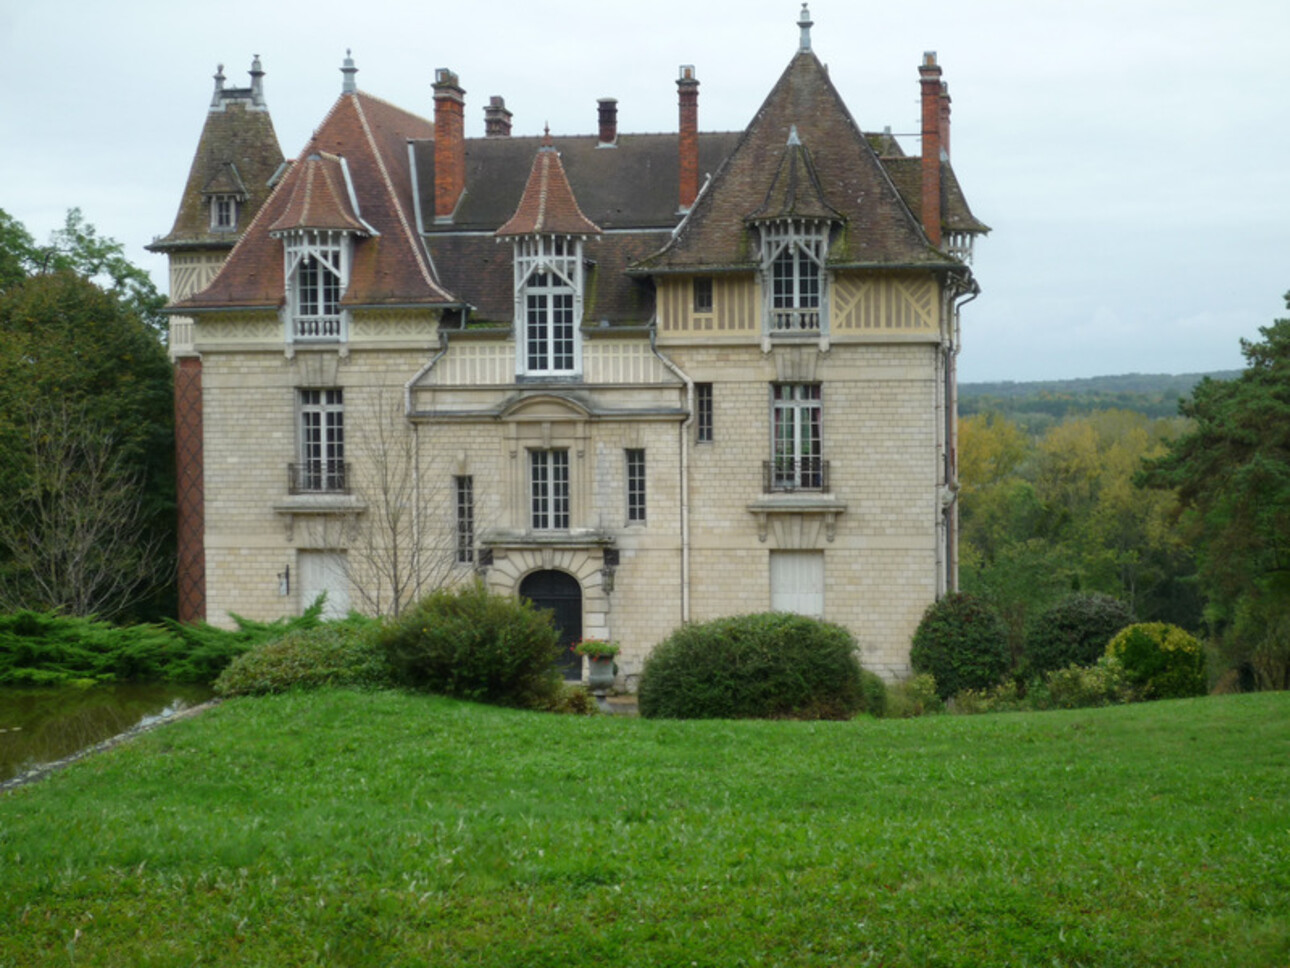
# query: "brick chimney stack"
[[449, 142], [929, 79], [688, 94], [945, 120], [497, 120], [608, 121]]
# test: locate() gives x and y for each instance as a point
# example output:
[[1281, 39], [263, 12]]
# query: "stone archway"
[[559, 592]]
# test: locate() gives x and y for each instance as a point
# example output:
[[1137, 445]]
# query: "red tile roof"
[[547, 205], [319, 199]]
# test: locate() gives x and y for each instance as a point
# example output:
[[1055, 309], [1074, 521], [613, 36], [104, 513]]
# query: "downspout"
[[951, 510], [416, 447], [685, 467]]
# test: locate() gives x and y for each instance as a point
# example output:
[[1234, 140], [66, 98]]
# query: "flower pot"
[[600, 675]]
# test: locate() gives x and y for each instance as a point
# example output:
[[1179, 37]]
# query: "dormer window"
[[792, 262], [223, 213], [548, 304], [317, 272]]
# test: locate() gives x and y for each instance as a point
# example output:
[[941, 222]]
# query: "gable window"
[[793, 252], [635, 486], [549, 489], [322, 443], [703, 431], [317, 272], [223, 213], [465, 487], [702, 294], [796, 438], [549, 281]]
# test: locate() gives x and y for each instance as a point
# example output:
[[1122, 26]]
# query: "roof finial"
[[546, 136], [350, 85], [806, 23], [793, 139], [219, 85], [257, 82]]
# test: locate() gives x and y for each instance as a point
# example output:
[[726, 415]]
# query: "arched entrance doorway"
[[559, 592]]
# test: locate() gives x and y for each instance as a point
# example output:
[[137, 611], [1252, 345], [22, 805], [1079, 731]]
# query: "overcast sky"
[[1131, 156]]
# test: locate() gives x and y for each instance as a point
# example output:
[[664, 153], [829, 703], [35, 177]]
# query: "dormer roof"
[[321, 198], [548, 206], [795, 191], [226, 181]]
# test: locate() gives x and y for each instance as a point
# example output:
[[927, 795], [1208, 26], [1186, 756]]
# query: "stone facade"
[[672, 404]]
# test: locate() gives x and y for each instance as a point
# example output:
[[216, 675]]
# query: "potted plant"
[[600, 662]]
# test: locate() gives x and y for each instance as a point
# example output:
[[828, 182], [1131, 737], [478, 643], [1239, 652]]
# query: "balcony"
[[795, 320], [317, 327], [318, 477], [795, 474]]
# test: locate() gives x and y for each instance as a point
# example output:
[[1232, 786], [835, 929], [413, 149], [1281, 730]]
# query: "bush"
[[771, 665], [874, 691], [334, 654], [912, 697], [568, 699], [962, 642], [1079, 687], [1075, 631], [1160, 661], [471, 644]]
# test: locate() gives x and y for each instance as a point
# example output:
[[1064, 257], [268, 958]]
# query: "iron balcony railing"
[[318, 477], [795, 474]]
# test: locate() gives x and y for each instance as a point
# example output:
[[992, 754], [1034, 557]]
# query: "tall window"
[[703, 413], [793, 252], [322, 442], [548, 304], [635, 486], [796, 431], [317, 270], [465, 488], [549, 489]]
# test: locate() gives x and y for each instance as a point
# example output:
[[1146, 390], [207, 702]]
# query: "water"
[[43, 725]]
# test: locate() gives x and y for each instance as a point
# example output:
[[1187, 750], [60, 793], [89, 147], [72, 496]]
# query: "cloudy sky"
[[1132, 156]]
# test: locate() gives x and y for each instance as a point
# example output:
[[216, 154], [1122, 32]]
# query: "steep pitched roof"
[[320, 198], [548, 205], [795, 191], [237, 154], [907, 175], [391, 267], [879, 227]]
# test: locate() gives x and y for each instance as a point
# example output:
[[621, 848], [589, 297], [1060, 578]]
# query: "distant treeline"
[[1035, 406]]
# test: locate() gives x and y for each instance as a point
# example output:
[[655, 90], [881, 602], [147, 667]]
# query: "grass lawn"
[[342, 828]]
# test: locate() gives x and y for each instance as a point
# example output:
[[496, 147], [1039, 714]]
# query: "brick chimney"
[[688, 95], [929, 79], [608, 121], [449, 142], [497, 120], [945, 120]]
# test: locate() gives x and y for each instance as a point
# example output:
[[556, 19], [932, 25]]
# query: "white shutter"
[[797, 582], [324, 571]]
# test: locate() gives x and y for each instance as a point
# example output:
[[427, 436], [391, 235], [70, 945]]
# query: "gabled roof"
[[320, 198], [547, 205], [237, 154], [795, 192], [879, 227], [389, 268]]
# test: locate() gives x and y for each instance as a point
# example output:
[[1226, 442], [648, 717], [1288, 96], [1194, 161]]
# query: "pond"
[[42, 725]]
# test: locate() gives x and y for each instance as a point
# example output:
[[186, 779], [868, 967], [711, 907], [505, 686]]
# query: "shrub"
[[1160, 661], [962, 642], [1003, 697], [874, 691], [1075, 631], [334, 654], [1078, 687], [912, 697], [568, 699], [471, 644], [771, 665]]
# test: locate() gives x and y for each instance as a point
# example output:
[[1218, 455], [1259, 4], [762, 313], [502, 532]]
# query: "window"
[[322, 442], [797, 582], [548, 305], [635, 486], [793, 254], [703, 413], [703, 294], [223, 213], [465, 488], [796, 437], [317, 271], [549, 489]]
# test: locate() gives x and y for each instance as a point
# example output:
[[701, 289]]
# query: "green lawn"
[[341, 828]]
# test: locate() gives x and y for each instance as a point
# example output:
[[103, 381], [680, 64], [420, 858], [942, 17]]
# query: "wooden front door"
[[559, 593]]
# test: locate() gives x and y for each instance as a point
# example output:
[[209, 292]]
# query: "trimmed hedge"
[[471, 644], [1075, 631], [963, 643], [335, 654], [1160, 661], [772, 665]]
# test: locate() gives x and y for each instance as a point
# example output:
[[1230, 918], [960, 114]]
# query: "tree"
[[69, 344], [1232, 473]]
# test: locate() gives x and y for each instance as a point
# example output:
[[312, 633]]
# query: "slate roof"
[[795, 190], [879, 229], [907, 175], [391, 266], [237, 154]]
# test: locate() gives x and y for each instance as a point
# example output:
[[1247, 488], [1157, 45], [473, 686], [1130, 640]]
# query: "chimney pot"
[[929, 79], [497, 119], [687, 86], [608, 121], [449, 143]]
